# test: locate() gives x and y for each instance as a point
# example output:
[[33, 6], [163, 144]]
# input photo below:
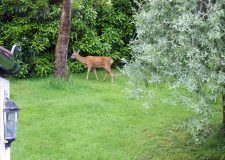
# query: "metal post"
[[4, 92]]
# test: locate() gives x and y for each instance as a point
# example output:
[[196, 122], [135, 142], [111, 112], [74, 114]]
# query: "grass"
[[91, 120]]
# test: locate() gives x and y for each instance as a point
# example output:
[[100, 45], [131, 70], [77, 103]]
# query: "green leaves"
[[182, 43], [99, 27], [43, 66]]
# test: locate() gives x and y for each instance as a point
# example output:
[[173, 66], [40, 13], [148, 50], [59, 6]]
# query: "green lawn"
[[91, 120]]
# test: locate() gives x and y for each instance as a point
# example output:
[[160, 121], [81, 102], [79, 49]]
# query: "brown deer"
[[95, 62]]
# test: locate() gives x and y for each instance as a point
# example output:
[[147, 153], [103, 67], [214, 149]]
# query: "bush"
[[24, 69], [43, 67], [98, 28], [75, 67]]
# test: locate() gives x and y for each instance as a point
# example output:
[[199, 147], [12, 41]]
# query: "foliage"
[[75, 67], [24, 68], [182, 43], [102, 27], [43, 66]]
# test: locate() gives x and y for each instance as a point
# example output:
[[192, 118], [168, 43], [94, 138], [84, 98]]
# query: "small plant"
[[61, 84]]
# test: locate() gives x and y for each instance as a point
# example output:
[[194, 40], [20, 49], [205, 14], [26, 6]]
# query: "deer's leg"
[[112, 75], [106, 74], [109, 70], [88, 71], [94, 69]]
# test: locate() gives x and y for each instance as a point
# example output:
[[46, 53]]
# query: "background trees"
[[182, 43], [102, 27]]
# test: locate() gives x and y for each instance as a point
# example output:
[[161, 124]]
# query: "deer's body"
[[95, 62]]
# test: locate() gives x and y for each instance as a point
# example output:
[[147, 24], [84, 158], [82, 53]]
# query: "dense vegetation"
[[102, 27]]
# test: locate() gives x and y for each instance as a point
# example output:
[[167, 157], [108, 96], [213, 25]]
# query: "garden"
[[168, 94]]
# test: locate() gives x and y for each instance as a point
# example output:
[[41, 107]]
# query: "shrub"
[[98, 28], [24, 69], [43, 67], [75, 67]]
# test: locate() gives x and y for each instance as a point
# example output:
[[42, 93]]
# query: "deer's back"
[[99, 61]]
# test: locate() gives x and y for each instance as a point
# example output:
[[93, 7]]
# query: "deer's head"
[[75, 54]]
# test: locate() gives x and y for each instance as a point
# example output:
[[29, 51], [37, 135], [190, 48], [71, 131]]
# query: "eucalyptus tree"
[[181, 43]]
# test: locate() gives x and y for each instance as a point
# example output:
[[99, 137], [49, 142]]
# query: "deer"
[[95, 62]]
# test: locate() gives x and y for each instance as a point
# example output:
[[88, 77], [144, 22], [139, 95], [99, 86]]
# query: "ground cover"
[[92, 120]]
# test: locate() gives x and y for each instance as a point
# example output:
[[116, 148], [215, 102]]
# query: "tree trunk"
[[223, 102], [63, 41]]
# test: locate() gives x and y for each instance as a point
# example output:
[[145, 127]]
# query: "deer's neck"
[[81, 59]]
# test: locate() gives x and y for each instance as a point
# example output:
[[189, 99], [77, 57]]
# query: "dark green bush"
[[75, 67], [98, 28], [24, 69], [43, 66]]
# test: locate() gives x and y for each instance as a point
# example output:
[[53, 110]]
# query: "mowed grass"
[[92, 120]]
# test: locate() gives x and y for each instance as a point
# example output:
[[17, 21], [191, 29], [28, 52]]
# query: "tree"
[[63, 41], [182, 43]]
